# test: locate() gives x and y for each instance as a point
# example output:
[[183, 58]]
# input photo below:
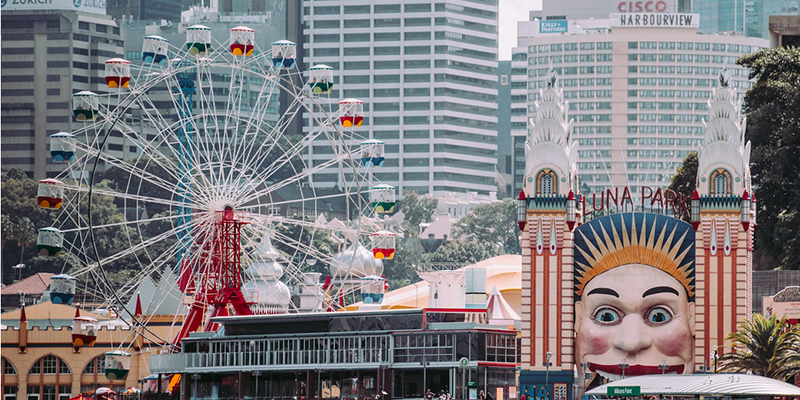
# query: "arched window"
[[50, 365], [8, 367], [720, 182], [96, 365], [546, 182]]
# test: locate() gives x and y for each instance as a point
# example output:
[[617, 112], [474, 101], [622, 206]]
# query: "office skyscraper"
[[427, 75]]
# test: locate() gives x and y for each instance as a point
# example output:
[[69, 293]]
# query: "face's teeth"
[[609, 376]]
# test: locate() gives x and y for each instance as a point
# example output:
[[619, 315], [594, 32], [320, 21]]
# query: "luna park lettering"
[[664, 199]]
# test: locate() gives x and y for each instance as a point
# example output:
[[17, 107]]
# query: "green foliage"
[[463, 252], [764, 346], [773, 120], [684, 181], [21, 218], [401, 271], [493, 224], [300, 236], [416, 210]]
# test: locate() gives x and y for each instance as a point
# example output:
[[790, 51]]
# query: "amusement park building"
[[426, 74], [49, 54], [638, 101]]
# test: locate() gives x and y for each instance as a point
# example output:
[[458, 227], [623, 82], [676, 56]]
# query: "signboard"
[[659, 20], [90, 6], [553, 26], [463, 362], [623, 391], [642, 6], [472, 383]]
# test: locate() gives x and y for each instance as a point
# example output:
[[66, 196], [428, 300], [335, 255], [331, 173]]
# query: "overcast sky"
[[512, 11]]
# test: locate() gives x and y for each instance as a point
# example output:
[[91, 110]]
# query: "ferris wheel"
[[208, 187]]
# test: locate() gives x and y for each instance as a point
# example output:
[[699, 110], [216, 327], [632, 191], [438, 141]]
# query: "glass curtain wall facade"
[[427, 75]]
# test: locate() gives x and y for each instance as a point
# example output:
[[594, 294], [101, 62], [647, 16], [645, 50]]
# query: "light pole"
[[715, 355], [584, 365], [623, 366], [547, 376], [256, 374], [663, 366]]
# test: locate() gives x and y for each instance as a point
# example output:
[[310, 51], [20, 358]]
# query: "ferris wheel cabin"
[[62, 289], [118, 73], [383, 244], [283, 53], [373, 288], [85, 106], [154, 50], [62, 147], [198, 39], [242, 41], [49, 242], [118, 364], [372, 153], [351, 112], [84, 330], [50, 193], [383, 199], [320, 79]]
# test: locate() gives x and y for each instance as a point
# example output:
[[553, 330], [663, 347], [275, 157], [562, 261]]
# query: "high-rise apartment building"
[[427, 75], [638, 95], [50, 51]]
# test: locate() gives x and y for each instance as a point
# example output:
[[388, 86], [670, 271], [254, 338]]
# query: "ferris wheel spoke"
[[300, 176]]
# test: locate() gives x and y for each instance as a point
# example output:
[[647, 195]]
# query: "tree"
[[761, 346], [684, 181], [463, 252], [292, 238], [493, 224], [21, 217], [416, 210], [772, 106]]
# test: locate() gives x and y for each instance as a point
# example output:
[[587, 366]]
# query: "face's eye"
[[658, 315], [607, 315]]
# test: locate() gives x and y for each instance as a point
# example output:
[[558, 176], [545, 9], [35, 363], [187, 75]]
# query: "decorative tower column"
[[726, 225], [547, 247]]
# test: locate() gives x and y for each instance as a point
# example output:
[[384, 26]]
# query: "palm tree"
[[764, 346]]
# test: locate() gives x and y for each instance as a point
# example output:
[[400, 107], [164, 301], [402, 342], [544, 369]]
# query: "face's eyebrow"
[[660, 289], [607, 291]]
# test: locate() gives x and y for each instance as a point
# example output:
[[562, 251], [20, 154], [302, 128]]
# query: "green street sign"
[[623, 391], [463, 362], [472, 383]]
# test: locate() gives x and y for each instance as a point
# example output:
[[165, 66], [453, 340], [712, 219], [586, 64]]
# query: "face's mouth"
[[635, 370]]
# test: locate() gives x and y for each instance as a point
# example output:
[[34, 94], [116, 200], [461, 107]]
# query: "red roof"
[[34, 284]]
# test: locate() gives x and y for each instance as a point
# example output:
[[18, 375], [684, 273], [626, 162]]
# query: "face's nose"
[[632, 335]]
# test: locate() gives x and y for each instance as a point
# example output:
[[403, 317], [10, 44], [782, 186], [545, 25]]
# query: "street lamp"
[[571, 209], [256, 374], [663, 367], [547, 377], [623, 366], [746, 211], [715, 355], [584, 365]]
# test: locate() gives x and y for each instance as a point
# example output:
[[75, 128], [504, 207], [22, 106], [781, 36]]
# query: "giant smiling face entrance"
[[634, 295]]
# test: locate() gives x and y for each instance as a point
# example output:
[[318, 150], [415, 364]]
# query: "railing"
[[167, 363]]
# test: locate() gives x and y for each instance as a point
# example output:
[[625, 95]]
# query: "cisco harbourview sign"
[[91, 6], [659, 20], [553, 26]]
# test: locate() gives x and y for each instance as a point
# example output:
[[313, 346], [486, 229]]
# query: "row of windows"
[[732, 48], [664, 142], [682, 70], [700, 58], [665, 129], [666, 117], [667, 105], [573, 82], [543, 48], [601, 69]]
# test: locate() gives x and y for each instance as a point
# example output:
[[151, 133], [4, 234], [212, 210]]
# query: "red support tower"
[[218, 271]]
